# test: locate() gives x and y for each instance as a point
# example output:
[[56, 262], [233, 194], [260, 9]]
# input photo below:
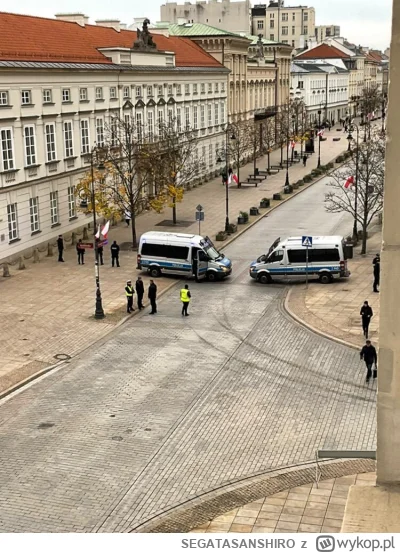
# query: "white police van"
[[286, 260], [181, 254]]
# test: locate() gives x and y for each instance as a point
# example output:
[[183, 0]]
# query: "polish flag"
[[103, 231], [349, 182], [235, 179], [320, 133], [293, 144], [97, 235]]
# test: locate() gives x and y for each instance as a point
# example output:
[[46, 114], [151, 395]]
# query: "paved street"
[[169, 408]]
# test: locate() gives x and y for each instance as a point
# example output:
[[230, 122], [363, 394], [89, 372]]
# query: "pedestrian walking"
[[368, 353], [366, 316], [99, 251], [139, 292], [60, 247], [129, 296], [152, 295], [114, 253], [128, 217], [304, 160], [185, 299], [80, 250], [377, 275]]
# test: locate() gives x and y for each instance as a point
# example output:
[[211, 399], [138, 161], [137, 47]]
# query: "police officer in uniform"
[[114, 253], [185, 299], [129, 297]]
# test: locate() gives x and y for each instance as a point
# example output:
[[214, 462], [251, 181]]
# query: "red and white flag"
[[293, 144], [320, 132], [235, 178], [349, 182], [103, 232]]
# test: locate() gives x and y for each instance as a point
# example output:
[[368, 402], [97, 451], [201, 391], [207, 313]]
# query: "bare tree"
[[175, 163], [284, 128], [370, 101], [364, 198], [268, 137], [240, 143]]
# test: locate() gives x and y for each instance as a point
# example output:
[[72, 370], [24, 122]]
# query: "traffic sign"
[[199, 216], [306, 241], [199, 207]]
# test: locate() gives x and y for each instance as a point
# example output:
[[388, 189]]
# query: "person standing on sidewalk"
[[376, 258], [80, 250], [368, 353], [304, 160], [185, 299], [114, 253], [139, 292], [152, 295], [128, 217], [366, 316], [100, 251], [60, 247], [377, 275], [129, 297]]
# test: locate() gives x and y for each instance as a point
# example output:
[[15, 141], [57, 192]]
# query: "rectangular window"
[[127, 121], [47, 96], [54, 208], [271, 15], [202, 116], [170, 116], [12, 216], [179, 119], [195, 125], [272, 24], [113, 92], [216, 113], [260, 25], [150, 125], [222, 87], [203, 157], [149, 91], [85, 140], [284, 17], [195, 88], [66, 95], [162, 250], [71, 202], [114, 131], [50, 136], [100, 132], [293, 30], [99, 93], [305, 17], [161, 90], [300, 84], [83, 95], [139, 126], [26, 97], [210, 155], [187, 89], [305, 30], [170, 90], [222, 113], [30, 145], [285, 31], [187, 118], [203, 88], [271, 37], [293, 43], [7, 150], [294, 16], [216, 87], [34, 214], [160, 118], [3, 98], [138, 91], [127, 91], [210, 88], [179, 89], [68, 139], [209, 111]]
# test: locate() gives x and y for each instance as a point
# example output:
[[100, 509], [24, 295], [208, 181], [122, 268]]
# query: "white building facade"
[[52, 114]]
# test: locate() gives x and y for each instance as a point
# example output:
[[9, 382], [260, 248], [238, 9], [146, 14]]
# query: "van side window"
[[298, 256], [162, 250], [324, 256], [276, 256]]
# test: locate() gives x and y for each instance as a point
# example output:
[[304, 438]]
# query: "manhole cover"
[[43, 425], [62, 356], [178, 224], [117, 438]]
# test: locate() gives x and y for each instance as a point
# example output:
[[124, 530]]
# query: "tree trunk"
[[269, 159], [364, 239], [174, 211], [238, 171], [281, 154], [133, 222]]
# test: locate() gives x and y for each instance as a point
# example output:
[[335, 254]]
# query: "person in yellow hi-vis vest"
[[185, 299], [129, 297]]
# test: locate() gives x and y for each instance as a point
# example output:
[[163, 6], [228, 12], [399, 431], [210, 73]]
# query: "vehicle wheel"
[[155, 272], [325, 278], [264, 278], [212, 277]]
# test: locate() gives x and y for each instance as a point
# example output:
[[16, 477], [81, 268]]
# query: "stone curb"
[[28, 380], [202, 509], [312, 328]]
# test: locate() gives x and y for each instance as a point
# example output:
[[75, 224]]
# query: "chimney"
[[79, 18], [113, 23]]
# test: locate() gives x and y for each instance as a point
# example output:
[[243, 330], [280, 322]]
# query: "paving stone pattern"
[[169, 408]]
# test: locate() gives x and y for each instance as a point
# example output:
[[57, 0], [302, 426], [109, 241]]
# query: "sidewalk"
[[48, 308], [335, 309]]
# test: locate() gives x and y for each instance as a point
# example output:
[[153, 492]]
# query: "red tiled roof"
[[323, 51], [28, 38]]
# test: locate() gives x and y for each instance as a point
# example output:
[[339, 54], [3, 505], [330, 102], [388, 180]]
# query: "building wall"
[[289, 25], [326, 31], [232, 16], [28, 179]]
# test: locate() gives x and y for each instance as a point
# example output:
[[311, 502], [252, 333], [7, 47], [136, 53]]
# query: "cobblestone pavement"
[[168, 408], [335, 310], [47, 309], [306, 508]]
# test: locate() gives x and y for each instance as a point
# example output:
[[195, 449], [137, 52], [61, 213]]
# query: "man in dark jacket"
[[368, 353], [60, 246], [139, 292], [99, 251], [152, 295], [376, 258], [377, 275], [80, 250], [304, 160], [114, 253], [366, 315]]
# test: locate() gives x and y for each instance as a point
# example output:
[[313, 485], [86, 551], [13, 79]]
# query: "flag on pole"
[[235, 179], [320, 132], [349, 182], [293, 144], [105, 229], [97, 235], [230, 178]]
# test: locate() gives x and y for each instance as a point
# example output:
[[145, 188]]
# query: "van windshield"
[[213, 253]]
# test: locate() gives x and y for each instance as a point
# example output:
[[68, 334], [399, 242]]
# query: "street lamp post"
[[99, 311], [319, 138], [220, 160], [350, 138]]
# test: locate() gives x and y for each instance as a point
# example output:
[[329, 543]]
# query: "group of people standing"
[[139, 287], [81, 250]]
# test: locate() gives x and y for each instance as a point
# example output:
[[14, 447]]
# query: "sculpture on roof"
[[144, 39], [260, 47]]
